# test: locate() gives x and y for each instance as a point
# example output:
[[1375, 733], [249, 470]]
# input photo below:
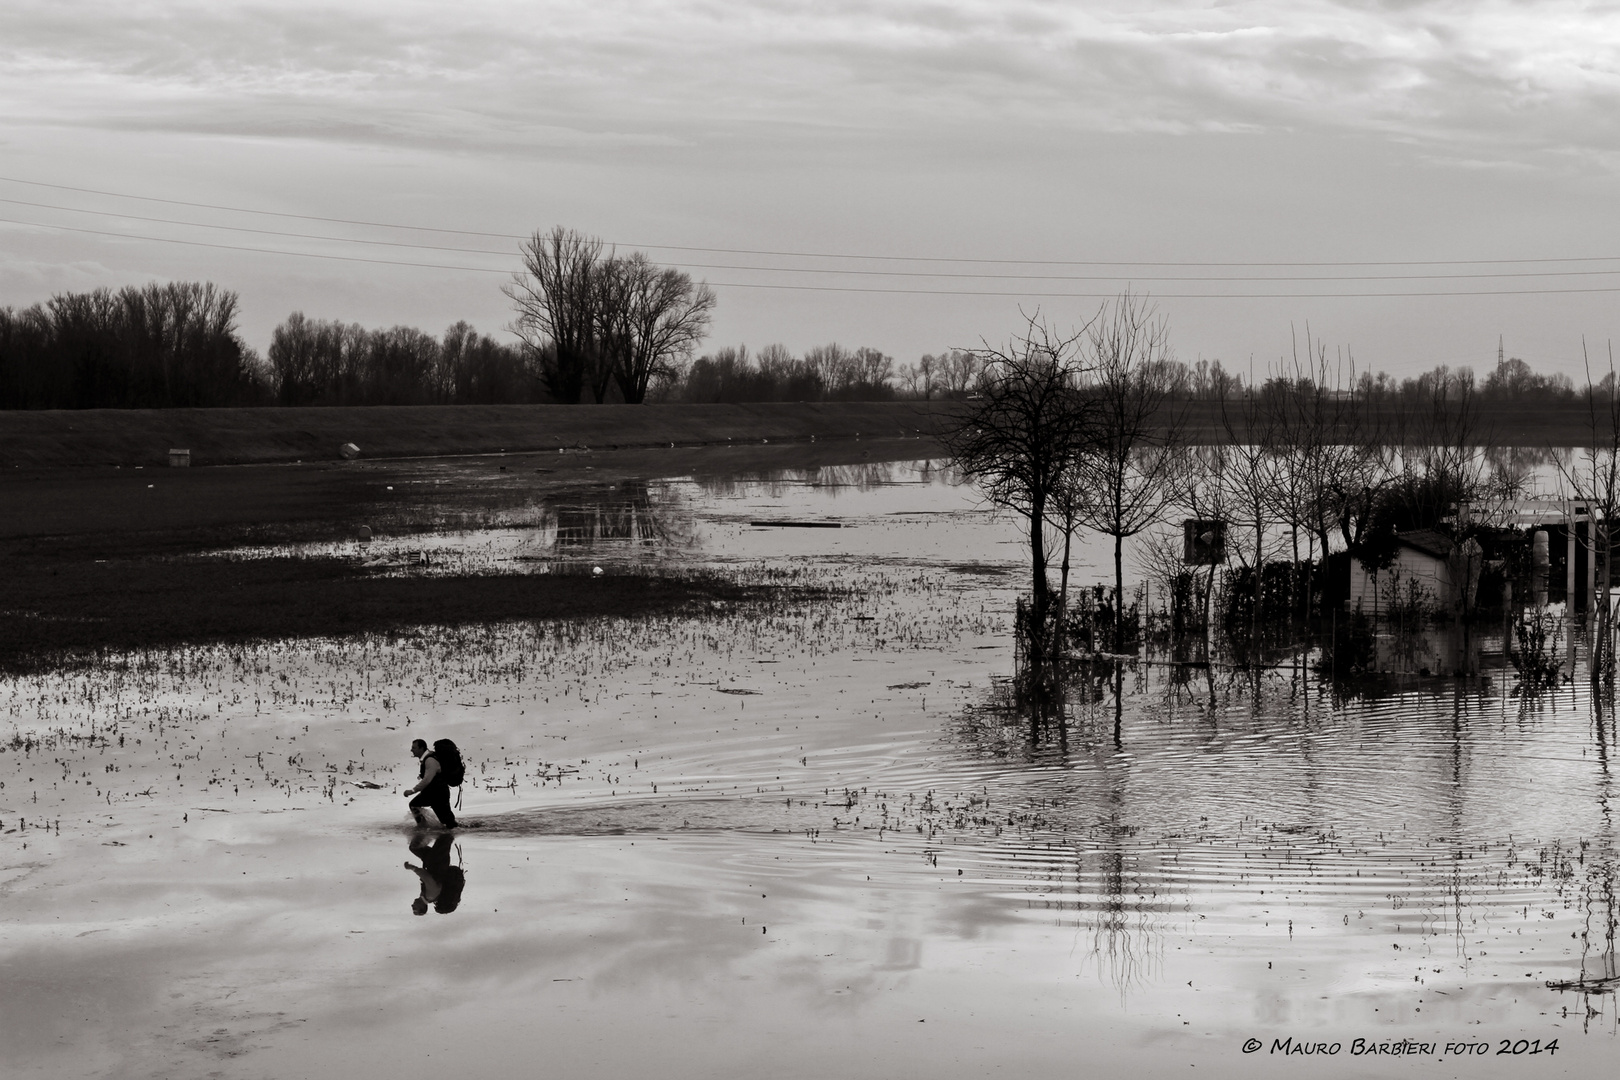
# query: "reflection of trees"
[[1519, 467], [1600, 971], [1123, 935], [1297, 757], [1117, 903], [1008, 724], [632, 511], [859, 476]]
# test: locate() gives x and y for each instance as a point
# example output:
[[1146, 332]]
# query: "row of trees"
[[317, 362], [149, 347], [825, 373], [732, 374], [590, 324]]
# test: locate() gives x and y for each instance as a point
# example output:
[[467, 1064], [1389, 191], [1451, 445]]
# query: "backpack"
[[450, 763], [455, 880]]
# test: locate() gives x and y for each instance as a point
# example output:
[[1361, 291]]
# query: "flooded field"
[[790, 840]]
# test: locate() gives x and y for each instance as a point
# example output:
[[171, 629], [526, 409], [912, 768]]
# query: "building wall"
[[1372, 591]]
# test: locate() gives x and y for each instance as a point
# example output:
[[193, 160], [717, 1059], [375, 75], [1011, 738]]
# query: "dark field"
[[128, 437], [125, 558], [59, 610]]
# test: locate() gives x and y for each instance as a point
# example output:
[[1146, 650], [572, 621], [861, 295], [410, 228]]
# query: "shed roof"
[[1428, 541]]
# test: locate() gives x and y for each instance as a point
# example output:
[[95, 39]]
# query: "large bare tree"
[[1020, 434], [593, 320], [655, 318], [1332, 462], [558, 297]]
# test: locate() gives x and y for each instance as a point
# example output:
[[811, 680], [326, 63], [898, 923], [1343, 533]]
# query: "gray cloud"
[[1101, 129], [1512, 76]]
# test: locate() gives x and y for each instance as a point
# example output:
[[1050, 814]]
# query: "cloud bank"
[[1478, 81]]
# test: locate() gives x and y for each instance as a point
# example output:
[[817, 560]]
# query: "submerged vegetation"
[[1328, 500], [68, 612]]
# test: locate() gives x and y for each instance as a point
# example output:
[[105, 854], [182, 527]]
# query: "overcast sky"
[[1081, 140]]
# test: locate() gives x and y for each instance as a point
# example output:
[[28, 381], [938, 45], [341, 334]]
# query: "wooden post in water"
[[1569, 583], [1569, 562], [1607, 625], [1507, 618], [1591, 568]]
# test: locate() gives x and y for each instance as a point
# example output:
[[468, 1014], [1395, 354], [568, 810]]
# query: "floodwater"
[[804, 841]]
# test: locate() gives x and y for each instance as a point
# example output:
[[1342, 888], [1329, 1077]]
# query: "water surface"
[[808, 840]]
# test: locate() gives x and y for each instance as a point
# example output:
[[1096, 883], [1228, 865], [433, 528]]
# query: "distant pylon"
[[1498, 350]]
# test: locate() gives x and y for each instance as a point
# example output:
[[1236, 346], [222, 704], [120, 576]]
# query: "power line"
[[258, 250], [818, 254], [248, 210], [265, 232], [811, 269], [1169, 296], [846, 288]]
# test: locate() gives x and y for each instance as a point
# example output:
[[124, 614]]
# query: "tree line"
[[825, 373], [317, 362], [154, 346], [590, 324]]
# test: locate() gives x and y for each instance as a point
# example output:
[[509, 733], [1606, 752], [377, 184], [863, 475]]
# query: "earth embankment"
[[129, 437]]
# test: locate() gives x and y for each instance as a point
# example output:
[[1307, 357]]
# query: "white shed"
[[1422, 566]]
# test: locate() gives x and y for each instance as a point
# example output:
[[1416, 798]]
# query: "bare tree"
[[1249, 466], [1127, 468], [652, 317], [957, 371], [1331, 461], [919, 379], [1440, 431], [1067, 510], [558, 299], [592, 321], [1019, 437]]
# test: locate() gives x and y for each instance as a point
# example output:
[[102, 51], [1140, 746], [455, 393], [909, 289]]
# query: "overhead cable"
[[839, 288], [827, 255]]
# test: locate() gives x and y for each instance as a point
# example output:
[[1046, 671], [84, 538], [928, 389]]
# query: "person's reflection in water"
[[442, 881]]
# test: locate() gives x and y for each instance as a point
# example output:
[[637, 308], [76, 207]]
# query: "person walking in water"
[[432, 789]]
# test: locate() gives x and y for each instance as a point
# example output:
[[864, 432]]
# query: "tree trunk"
[[1293, 574], [1119, 596], [1063, 588], [1323, 538], [1603, 639], [1209, 597], [1038, 590], [1259, 568]]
